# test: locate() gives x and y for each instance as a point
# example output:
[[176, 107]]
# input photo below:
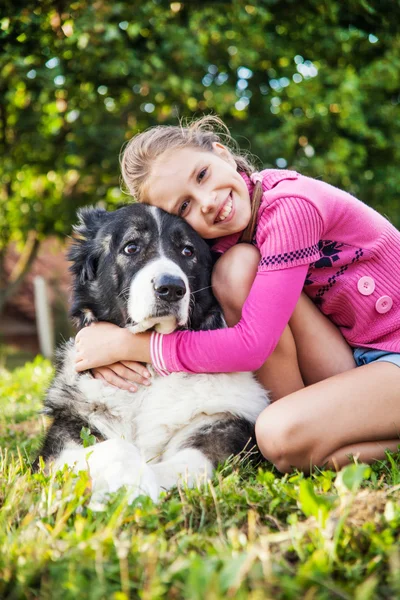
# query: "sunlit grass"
[[250, 533]]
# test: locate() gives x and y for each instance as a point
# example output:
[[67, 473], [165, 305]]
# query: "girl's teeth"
[[226, 211]]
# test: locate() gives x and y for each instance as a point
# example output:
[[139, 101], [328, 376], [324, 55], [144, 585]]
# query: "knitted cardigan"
[[311, 236]]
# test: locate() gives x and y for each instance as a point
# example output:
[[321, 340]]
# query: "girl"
[[329, 355]]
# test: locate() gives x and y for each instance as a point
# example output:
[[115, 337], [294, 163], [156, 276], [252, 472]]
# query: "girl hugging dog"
[[312, 299]]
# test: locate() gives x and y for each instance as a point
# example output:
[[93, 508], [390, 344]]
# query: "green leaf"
[[87, 438], [312, 504], [352, 476]]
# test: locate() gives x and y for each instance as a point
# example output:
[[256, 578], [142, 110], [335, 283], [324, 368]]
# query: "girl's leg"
[[322, 351], [353, 413], [366, 452], [280, 374]]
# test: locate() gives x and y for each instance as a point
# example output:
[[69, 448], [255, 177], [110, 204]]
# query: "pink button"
[[383, 304], [366, 286]]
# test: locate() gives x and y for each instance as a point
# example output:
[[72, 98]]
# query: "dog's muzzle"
[[159, 297]]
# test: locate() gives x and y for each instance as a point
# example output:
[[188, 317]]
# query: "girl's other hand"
[[123, 374], [104, 344], [101, 344]]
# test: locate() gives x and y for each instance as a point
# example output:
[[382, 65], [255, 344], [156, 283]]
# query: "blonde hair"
[[139, 154]]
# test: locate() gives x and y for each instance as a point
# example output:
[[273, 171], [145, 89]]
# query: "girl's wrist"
[[138, 347]]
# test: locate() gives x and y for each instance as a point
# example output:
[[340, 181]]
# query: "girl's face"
[[202, 187]]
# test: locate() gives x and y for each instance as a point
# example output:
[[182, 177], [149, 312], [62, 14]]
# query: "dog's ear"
[[85, 251]]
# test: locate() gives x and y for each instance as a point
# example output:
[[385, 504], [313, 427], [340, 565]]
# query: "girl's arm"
[[245, 347]]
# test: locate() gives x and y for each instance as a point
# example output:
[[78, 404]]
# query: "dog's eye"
[[131, 248], [188, 251]]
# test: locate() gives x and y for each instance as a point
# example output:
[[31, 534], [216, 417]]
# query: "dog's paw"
[[138, 482], [114, 464]]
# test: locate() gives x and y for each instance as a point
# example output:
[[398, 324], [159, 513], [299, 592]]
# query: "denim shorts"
[[365, 356]]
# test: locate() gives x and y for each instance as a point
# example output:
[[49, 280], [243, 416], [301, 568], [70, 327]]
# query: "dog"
[[141, 268]]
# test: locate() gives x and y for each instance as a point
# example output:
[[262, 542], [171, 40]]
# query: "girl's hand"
[[103, 344], [123, 374]]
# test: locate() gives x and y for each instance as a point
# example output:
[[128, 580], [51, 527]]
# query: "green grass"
[[248, 534]]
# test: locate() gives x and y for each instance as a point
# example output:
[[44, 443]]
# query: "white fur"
[[112, 464], [146, 429]]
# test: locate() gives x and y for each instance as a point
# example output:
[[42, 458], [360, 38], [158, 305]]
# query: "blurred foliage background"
[[312, 85]]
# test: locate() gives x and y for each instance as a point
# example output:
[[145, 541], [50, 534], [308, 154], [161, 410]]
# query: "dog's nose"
[[169, 287]]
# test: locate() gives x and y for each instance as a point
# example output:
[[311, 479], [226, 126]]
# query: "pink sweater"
[[312, 237]]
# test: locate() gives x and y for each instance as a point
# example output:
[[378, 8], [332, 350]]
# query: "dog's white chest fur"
[[164, 413]]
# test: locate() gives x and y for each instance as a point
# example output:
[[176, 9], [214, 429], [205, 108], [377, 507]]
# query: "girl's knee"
[[272, 437], [234, 273], [283, 440]]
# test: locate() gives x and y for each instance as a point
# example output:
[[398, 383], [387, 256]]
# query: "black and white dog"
[[140, 267]]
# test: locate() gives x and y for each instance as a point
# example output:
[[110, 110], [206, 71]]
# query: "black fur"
[[66, 427], [222, 439], [66, 422]]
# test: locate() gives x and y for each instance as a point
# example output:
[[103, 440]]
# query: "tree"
[[313, 86]]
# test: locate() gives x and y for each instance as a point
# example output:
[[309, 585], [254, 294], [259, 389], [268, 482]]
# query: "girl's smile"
[[226, 212], [203, 187]]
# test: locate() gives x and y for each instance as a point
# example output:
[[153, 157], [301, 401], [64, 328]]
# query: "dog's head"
[[140, 267]]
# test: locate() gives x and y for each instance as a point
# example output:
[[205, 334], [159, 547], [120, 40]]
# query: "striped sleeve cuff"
[[157, 359]]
